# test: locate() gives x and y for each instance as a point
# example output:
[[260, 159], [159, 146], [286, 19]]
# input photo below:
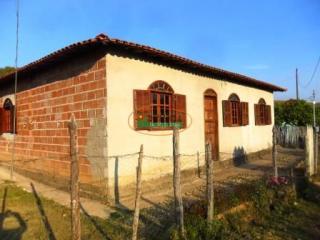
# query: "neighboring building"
[[122, 95]]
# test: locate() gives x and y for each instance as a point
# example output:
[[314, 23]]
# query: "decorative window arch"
[[159, 108], [210, 92], [262, 101], [234, 98], [262, 113], [7, 105], [235, 112], [161, 86], [7, 117]]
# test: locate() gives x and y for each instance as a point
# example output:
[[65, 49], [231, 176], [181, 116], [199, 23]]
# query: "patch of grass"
[[21, 219], [275, 213]]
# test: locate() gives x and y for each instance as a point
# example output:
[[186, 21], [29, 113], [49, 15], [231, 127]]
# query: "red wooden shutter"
[[179, 109], [257, 114], [6, 123], [244, 113], [268, 114], [227, 113], [142, 109], [1, 120], [12, 112]]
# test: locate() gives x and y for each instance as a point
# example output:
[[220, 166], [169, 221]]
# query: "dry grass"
[[21, 218]]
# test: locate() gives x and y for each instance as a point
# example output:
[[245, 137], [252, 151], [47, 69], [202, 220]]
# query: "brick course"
[[44, 104]]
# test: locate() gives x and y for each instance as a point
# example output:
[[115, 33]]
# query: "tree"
[[6, 70], [295, 112]]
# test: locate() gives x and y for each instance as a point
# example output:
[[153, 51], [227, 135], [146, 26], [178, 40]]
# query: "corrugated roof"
[[155, 54]]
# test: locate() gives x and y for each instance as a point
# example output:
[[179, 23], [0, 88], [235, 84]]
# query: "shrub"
[[197, 229]]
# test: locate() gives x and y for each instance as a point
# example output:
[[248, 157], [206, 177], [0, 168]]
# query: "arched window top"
[[161, 86], [210, 92], [7, 105], [262, 101], [234, 98]]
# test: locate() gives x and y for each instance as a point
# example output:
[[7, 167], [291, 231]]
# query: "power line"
[[313, 74]]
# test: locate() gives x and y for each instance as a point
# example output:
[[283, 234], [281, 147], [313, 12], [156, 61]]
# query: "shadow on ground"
[[44, 218], [20, 226]]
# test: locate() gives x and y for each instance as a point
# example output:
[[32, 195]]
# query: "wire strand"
[[313, 74]]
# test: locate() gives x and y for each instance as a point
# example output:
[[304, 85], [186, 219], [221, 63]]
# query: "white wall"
[[126, 74]]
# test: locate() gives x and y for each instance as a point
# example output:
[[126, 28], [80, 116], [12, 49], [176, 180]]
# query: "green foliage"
[[318, 114], [6, 70], [197, 228], [261, 196], [265, 203], [295, 112]]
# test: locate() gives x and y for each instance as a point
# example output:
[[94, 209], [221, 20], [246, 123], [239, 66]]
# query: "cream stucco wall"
[[126, 74]]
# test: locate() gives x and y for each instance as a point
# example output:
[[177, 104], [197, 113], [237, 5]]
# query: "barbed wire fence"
[[121, 170], [157, 174]]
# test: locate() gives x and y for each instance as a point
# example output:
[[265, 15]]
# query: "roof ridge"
[[115, 40], [103, 38]]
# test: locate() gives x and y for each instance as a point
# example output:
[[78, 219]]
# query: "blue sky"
[[263, 39]]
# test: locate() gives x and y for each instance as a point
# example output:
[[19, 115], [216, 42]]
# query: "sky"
[[266, 40]]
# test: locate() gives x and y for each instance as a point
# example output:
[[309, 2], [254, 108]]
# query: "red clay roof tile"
[[103, 39]]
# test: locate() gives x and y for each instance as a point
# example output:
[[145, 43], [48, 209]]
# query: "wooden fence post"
[[74, 174], [177, 184], [210, 193], [274, 151], [138, 195]]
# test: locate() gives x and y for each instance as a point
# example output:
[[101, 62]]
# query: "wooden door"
[[211, 123]]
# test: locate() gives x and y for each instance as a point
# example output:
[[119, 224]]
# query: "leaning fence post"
[[138, 195], [274, 151], [177, 184], [74, 173], [210, 193]]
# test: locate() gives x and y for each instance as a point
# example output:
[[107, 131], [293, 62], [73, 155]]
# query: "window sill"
[[8, 136], [155, 129]]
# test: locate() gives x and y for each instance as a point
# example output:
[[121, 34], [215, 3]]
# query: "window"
[[235, 109], [262, 113], [159, 108], [161, 105], [7, 117], [235, 113]]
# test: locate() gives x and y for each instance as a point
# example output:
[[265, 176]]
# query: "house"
[[122, 95]]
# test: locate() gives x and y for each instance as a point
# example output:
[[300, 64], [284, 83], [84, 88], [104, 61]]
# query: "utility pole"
[[297, 84]]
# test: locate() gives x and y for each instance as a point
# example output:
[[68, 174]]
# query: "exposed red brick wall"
[[42, 143]]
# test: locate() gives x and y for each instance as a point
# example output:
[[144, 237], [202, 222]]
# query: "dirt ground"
[[160, 190], [39, 214]]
